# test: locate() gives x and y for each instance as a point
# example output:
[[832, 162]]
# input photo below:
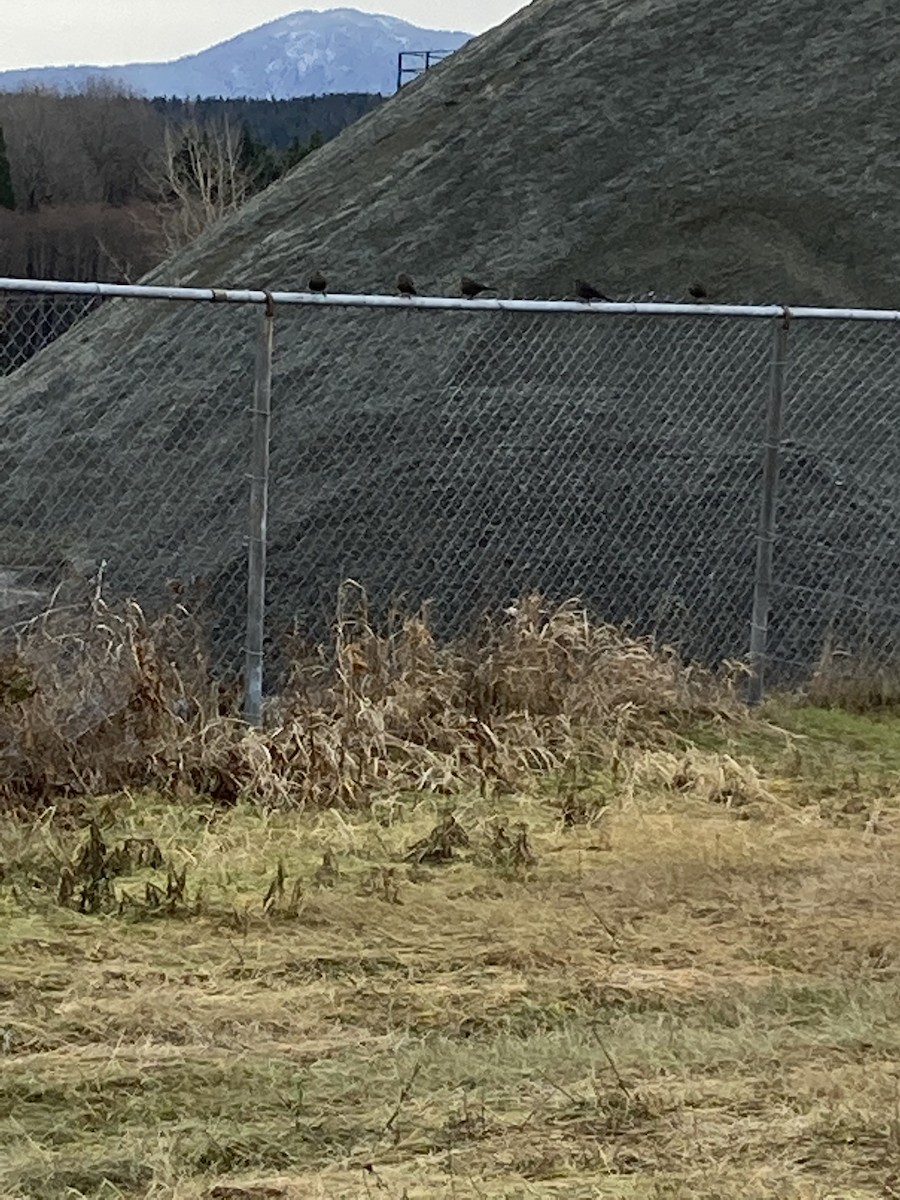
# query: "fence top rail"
[[443, 303]]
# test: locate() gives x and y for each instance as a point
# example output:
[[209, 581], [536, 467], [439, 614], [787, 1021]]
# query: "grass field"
[[675, 980]]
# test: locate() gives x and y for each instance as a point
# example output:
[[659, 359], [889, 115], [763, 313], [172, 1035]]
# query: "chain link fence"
[[470, 458], [460, 458], [836, 595], [124, 468], [30, 323]]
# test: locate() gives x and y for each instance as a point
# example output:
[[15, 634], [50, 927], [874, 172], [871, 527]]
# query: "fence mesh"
[[29, 323], [138, 473], [458, 458], [837, 554], [469, 458]]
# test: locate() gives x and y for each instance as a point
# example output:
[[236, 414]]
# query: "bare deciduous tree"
[[88, 147], [119, 134], [200, 178]]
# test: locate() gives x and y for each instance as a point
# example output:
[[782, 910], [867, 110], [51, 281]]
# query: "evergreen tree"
[[7, 196], [258, 161]]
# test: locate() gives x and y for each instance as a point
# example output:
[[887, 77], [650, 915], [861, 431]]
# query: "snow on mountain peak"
[[303, 53]]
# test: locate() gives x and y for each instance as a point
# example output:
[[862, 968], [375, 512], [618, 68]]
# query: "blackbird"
[[471, 288], [698, 291], [586, 291], [405, 286], [317, 282]]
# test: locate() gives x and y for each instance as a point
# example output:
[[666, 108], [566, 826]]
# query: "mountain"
[[303, 54], [467, 457]]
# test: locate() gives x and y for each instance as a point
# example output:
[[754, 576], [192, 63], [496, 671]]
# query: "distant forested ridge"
[[278, 124], [102, 184]]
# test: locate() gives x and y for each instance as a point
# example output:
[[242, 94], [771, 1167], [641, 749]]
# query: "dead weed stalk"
[[101, 699]]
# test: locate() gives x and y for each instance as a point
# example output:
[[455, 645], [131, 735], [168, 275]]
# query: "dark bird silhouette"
[[586, 291], [698, 291], [405, 286], [317, 282], [471, 288]]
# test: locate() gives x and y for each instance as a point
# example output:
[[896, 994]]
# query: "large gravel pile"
[[750, 147]]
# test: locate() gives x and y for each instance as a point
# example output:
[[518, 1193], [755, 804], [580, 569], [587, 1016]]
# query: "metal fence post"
[[259, 502], [765, 537]]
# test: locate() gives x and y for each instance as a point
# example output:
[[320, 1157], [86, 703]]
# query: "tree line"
[[103, 184]]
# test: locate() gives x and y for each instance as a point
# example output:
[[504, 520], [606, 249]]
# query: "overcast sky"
[[37, 33]]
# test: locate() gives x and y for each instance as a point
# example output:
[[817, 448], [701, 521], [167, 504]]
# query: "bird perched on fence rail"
[[586, 291], [405, 286], [470, 288], [317, 282]]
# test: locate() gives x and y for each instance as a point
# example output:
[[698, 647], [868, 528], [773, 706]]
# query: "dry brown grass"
[[623, 940], [101, 699], [667, 999], [859, 682]]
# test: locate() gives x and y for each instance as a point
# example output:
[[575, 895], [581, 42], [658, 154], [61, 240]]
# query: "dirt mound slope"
[[471, 458]]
